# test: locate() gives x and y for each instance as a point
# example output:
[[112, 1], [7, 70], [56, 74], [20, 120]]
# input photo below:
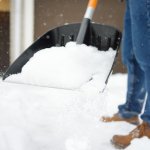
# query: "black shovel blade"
[[101, 36]]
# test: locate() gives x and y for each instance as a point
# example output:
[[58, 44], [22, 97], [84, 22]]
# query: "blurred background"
[[23, 21]]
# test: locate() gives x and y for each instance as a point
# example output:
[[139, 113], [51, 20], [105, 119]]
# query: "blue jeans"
[[136, 57]]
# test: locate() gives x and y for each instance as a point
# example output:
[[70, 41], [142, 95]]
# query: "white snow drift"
[[69, 67], [40, 118], [36, 118]]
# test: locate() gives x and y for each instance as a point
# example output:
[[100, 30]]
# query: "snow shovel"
[[101, 36]]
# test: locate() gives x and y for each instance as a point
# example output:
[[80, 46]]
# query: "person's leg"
[[134, 98], [146, 115], [127, 47], [140, 16], [141, 41], [135, 89]]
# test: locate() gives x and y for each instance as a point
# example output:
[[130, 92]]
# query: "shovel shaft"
[[86, 21]]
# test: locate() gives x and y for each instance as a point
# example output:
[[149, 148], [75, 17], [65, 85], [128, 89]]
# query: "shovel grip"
[[92, 3], [90, 9]]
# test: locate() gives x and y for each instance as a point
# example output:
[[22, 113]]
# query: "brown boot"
[[116, 117], [122, 141]]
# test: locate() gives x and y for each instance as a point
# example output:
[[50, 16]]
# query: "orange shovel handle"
[[92, 3]]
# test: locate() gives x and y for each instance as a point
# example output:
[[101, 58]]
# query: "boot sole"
[[118, 146]]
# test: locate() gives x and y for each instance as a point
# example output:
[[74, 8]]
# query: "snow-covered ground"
[[66, 117], [38, 118]]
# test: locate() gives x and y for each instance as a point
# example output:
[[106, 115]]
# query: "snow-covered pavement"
[[38, 118]]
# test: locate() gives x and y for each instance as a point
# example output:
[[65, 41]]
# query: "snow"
[[38, 118], [67, 117], [69, 67]]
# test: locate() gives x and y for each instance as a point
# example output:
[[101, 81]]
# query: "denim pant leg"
[[140, 24], [146, 115], [135, 91], [141, 43], [127, 47]]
